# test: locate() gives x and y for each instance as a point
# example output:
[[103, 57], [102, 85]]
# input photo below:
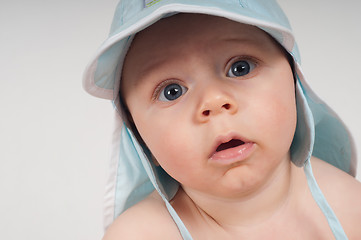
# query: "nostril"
[[227, 106], [206, 113]]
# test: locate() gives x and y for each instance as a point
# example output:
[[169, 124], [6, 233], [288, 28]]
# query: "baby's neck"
[[255, 209]]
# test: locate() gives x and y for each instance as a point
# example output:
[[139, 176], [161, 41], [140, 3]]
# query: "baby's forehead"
[[171, 35], [179, 39]]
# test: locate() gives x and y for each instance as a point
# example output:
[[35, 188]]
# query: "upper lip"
[[227, 138]]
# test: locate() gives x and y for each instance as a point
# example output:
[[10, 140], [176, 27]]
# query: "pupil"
[[172, 91], [240, 68]]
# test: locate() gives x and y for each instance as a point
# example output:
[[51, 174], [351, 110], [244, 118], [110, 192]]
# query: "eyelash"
[[233, 60], [159, 88]]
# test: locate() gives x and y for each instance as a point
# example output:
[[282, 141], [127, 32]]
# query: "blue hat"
[[319, 132]]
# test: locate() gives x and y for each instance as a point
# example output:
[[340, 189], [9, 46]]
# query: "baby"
[[219, 128]]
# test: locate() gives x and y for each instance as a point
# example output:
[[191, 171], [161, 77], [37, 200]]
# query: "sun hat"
[[102, 75], [319, 132]]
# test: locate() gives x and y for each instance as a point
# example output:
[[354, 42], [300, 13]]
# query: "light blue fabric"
[[332, 140], [132, 179], [319, 130]]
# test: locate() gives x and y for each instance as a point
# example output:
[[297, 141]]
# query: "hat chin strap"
[[320, 199]]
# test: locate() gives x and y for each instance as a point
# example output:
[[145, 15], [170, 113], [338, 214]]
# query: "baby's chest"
[[299, 227], [285, 233]]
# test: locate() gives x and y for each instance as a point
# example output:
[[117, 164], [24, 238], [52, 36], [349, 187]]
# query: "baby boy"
[[216, 104]]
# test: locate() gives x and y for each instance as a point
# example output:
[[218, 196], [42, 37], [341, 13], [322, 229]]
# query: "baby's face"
[[214, 101]]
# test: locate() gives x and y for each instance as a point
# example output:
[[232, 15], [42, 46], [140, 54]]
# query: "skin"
[[254, 196], [261, 104]]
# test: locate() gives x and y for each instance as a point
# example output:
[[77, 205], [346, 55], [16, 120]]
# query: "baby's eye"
[[240, 68], [171, 92]]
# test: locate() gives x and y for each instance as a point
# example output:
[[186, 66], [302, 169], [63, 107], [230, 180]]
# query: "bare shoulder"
[[343, 192], [149, 219]]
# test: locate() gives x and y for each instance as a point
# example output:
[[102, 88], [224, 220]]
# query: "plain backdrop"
[[54, 138]]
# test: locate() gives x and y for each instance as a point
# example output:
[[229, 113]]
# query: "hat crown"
[[267, 10]]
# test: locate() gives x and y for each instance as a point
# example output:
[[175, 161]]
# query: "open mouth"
[[230, 144], [230, 149]]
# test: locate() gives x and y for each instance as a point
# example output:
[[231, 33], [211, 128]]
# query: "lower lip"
[[232, 155]]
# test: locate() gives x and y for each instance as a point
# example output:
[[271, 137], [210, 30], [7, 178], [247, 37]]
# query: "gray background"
[[55, 138]]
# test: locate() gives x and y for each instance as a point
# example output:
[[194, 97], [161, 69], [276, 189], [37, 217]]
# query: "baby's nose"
[[216, 103]]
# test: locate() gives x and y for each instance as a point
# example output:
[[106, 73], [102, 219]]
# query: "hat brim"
[[102, 75]]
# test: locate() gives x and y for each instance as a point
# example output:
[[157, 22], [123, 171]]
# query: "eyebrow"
[[256, 42], [149, 69], [152, 64]]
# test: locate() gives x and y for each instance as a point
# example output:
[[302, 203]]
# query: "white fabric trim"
[[89, 85], [109, 196]]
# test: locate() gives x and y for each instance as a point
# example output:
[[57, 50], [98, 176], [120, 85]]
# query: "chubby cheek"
[[278, 121]]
